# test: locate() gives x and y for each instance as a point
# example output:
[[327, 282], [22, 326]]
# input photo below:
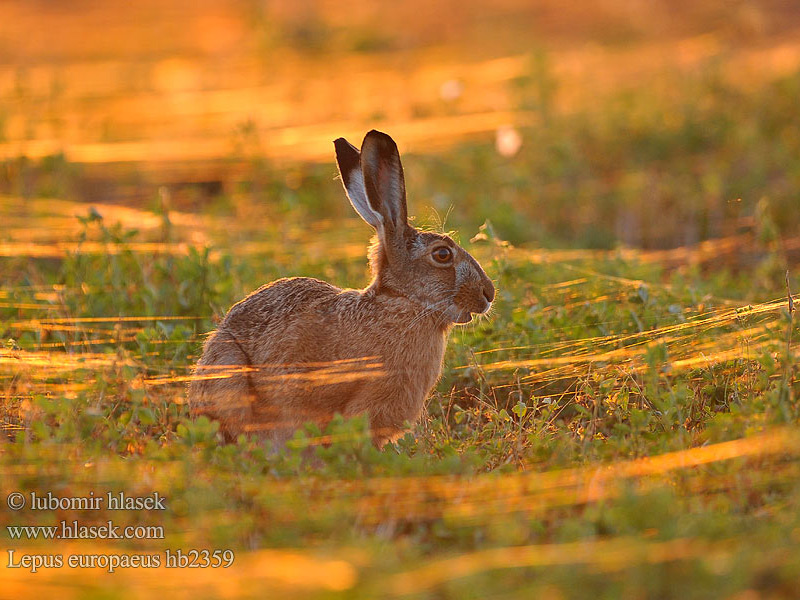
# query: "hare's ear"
[[384, 182], [349, 163]]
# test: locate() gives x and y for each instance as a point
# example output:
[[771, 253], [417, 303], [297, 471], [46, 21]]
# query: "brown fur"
[[300, 349]]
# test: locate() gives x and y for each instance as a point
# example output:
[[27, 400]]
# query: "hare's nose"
[[488, 291]]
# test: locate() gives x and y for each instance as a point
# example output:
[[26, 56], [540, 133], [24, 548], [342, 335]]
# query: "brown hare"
[[301, 349]]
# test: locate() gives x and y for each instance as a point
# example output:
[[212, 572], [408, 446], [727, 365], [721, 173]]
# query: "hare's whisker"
[[428, 310]]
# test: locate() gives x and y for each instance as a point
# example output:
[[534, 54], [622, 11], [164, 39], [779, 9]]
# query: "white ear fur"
[[357, 194], [349, 163]]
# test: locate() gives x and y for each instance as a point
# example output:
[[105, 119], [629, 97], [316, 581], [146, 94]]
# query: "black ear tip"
[[346, 155], [383, 141], [378, 135], [342, 145]]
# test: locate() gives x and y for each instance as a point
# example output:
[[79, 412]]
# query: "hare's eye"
[[442, 255]]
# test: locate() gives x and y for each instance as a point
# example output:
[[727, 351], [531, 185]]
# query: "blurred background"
[[651, 124]]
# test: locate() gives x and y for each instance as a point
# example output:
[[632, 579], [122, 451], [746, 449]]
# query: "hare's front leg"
[[389, 407]]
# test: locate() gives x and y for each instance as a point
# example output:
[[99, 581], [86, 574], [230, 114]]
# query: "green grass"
[[522, 479]]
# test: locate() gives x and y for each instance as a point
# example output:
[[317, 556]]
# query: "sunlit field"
[[624, 423]]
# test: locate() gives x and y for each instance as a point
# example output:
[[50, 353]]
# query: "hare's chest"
[[418, 364]]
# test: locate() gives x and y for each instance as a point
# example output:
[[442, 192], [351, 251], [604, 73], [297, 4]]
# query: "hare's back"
[[278, 303]]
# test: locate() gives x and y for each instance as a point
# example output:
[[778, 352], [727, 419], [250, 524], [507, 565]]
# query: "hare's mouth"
[[465, 316], [466, 306]]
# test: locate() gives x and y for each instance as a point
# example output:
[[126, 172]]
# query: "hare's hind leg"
[[221, 388]]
